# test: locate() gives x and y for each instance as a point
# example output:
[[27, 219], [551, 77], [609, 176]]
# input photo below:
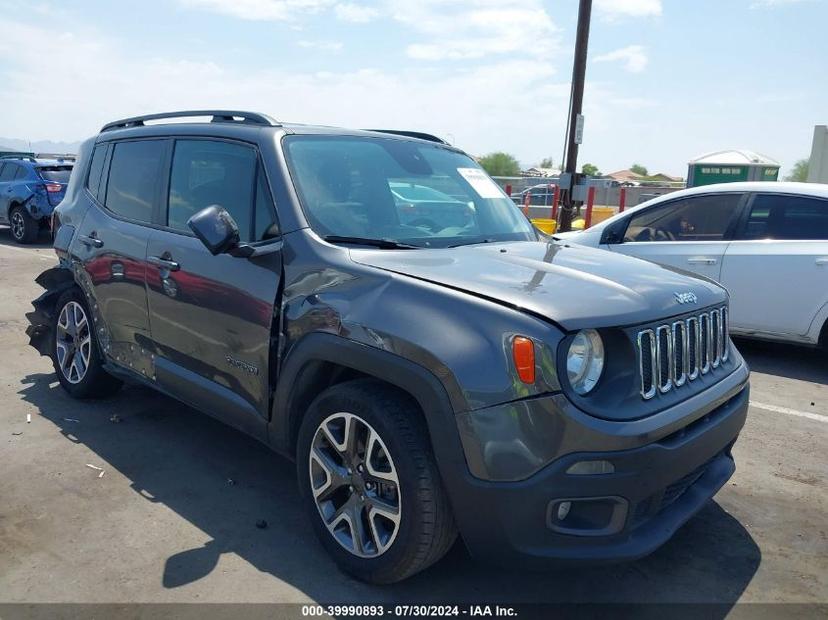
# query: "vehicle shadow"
[[222, 482], [785, 360], [44, 239]]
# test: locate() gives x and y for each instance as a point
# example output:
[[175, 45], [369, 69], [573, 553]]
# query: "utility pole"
[[576, 106]]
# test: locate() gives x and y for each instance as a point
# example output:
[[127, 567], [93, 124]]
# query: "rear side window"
[[696, 218], [22, 173], [785, 217], [93, 182], [206, 173], [133, 178], [8, 172], [58, 174]]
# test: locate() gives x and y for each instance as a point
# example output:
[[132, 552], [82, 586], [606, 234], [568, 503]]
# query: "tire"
[[424, 529], [24, 227], [75, 352]]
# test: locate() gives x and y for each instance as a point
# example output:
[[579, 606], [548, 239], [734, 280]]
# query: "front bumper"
[[665, 471]]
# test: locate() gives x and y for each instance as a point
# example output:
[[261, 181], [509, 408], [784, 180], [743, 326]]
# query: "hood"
[[574, 286]]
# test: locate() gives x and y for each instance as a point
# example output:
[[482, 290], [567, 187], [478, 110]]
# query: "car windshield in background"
[[400, 191], [58, 174]]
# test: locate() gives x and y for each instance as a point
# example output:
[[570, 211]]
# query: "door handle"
[[702, 260], [91, 241], [163, 263], [822, 261]]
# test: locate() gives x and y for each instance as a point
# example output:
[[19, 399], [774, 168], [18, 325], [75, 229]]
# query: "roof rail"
[[24, 157], [219, 116], [411, 134]]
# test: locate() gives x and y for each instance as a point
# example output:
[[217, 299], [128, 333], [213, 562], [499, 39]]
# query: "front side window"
[[780, 216], [206, 173], [426, 195], [696, 218], [133, 178]]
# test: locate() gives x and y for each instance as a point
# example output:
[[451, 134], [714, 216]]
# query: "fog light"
[[591, 468], [563, 510]]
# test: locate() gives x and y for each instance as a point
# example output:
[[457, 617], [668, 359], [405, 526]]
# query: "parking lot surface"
[[173, 517]]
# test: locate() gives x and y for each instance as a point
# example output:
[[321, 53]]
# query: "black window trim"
[[729, 233], [745, 216], [167, 177]]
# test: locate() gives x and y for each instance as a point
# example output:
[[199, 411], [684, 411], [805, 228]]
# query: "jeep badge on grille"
[[686, 298]]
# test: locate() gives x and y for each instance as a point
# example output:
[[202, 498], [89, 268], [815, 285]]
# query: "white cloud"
[[631, 8], [260, 10], [325, 46], [468, 103], [759, 4], [456, 30], [634, 58], [357, 13]]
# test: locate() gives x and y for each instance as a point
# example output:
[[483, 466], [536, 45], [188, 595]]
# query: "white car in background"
[[767, 243]]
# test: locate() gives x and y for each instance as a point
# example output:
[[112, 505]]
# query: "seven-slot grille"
[[672, 354]]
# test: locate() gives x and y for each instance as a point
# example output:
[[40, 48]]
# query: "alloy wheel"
[[73, 342], [18, 225], [355, 485]]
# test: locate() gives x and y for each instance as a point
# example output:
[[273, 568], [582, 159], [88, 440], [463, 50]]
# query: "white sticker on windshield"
[[481, 182]]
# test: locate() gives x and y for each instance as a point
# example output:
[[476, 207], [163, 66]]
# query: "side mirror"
[[216, 229]]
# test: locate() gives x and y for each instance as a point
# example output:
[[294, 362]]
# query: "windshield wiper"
[[474, 242], [385, 244]]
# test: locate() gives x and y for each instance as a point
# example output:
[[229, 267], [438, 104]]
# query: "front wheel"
[[370, 484], [75, 353]]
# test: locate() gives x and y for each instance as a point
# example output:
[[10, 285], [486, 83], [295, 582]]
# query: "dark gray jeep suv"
[[371, 304]]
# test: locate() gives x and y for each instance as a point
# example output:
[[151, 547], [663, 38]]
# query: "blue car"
[[30, 189]]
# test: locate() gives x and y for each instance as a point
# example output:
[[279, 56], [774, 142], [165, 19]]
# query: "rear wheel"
[[370, 484], [23, 226], [75, 353]]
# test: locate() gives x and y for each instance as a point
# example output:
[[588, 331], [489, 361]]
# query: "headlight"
[[585, 361]]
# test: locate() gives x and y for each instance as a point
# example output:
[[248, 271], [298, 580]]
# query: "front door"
[[689, 233], [776, 269], [211, 316], [111, 244]]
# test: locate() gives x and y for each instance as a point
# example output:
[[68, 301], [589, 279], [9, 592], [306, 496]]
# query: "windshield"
[[58, 174], [398, 190]]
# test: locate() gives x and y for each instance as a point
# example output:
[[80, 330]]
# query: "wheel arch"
[[320, 360], [56, 281]]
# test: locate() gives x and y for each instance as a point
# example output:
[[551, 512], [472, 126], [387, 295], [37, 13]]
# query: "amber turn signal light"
[[523, 352]]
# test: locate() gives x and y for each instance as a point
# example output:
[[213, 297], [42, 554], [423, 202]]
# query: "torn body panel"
[[56, 281]]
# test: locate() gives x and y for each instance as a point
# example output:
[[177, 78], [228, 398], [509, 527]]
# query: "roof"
[[738, 157], [625, 175]]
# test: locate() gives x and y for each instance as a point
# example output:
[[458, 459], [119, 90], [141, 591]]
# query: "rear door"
[[690, 233], [776, 268], [211, 316], [111, 243]]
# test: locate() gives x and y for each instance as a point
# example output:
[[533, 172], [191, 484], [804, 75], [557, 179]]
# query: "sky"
[[667, 80]]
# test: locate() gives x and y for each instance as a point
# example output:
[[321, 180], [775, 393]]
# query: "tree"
[[500, 164], [547, 162], [639, 169], [591, 170], [799, 172]]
